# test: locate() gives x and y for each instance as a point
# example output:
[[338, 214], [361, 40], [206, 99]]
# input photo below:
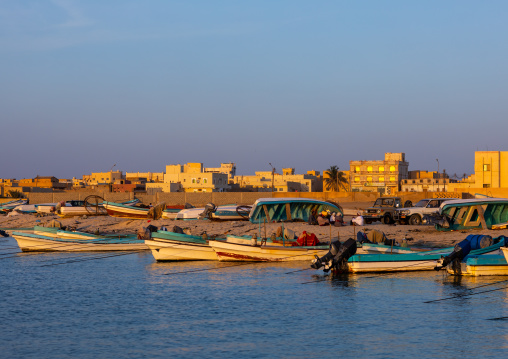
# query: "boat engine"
[[207, 213], [337, 256], [460, 251], [3, 233]]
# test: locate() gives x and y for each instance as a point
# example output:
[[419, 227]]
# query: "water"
[[129, 307]]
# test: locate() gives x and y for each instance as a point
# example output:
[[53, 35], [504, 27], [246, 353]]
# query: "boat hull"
[[169, 250], [124, 211], [37, 243], [227, 251], [485, 265]]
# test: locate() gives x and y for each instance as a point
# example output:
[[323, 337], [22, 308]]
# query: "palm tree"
[[335, 180]]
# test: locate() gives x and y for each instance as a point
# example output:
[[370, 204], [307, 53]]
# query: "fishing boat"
[[428, 260], [84, 208], [9, 206], [227, 251], [374, 248], [485, 213], [231, 212], [288, 209], [125, 210], [80, 242], [480, 265], [171, 246]]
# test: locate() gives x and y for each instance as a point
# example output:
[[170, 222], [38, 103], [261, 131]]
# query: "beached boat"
[[171, 246], [248, 240], [428, 260], [125, 211], [288, 209], [480, 265], [9, 206], [60, 242], [227, 251], [222, 213], [485, 213], [83, 208]]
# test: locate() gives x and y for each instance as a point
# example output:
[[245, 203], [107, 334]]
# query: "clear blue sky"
[[304, 84]]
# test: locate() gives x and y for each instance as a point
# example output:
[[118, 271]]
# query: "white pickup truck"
[[414, 215]]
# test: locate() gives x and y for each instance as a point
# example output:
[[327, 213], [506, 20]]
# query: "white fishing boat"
[[125, 211], [222, 213], [227, 251], [171, 246], [31, 242]]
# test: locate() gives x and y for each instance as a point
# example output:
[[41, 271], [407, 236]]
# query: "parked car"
[[414, 215], [382, 210]]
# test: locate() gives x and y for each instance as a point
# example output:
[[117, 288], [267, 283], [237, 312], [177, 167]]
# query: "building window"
[[486, 168], [381, 179], [369, 179], [193, 180], [357, 169], [486, 185], [392, 168], [381, 168], [205, 180], [369, 168], [392, 178], [357, 179]]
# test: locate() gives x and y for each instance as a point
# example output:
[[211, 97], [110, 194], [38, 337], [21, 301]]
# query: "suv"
[[414, 215], [382, 210]]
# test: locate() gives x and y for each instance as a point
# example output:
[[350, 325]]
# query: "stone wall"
[[248, 198]]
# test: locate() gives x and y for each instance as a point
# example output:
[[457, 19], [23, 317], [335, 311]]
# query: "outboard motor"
[[337, 256], [460, 251], [207, 213], [3, 233]]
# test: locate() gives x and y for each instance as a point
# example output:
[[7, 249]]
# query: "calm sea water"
[[62, 305]]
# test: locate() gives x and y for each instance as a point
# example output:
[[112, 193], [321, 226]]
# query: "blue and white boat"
[[9, 206], [428, 260], [480, 265]]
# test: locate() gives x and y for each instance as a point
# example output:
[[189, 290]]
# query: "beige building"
[[191, 177], [490, 171], [288, 181], [226, 168], [97, 178], [379, 176]]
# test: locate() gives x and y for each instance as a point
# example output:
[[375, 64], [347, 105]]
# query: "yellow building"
[[491, 171], [289, 181], [192, 178], [142, 177], [379, 176]]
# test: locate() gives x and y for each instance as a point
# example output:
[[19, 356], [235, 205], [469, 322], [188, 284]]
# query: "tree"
[[16, 194], [335, 179]]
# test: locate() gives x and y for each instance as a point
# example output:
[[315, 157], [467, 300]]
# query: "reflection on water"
[[130, 306]]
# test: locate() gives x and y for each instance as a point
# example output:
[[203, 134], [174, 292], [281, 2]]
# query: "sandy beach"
[[422, 236]]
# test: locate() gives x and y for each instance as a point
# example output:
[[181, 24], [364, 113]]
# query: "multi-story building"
[[379, 176], [289, 181], [420, 181], [98, 178], [227, 168], [191, 178], [43, 182], [142, 177], [490, 171]]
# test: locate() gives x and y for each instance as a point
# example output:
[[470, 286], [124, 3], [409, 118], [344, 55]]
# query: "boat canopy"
[[288, 209]]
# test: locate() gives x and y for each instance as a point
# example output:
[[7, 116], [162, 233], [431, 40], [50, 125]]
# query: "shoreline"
[[422, 235]]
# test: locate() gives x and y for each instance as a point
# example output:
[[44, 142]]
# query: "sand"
[[422, 235]]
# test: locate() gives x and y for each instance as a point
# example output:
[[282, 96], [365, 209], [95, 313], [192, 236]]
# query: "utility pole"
[[273, 175]]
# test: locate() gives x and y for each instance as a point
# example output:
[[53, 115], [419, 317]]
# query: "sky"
[[86, 86]]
